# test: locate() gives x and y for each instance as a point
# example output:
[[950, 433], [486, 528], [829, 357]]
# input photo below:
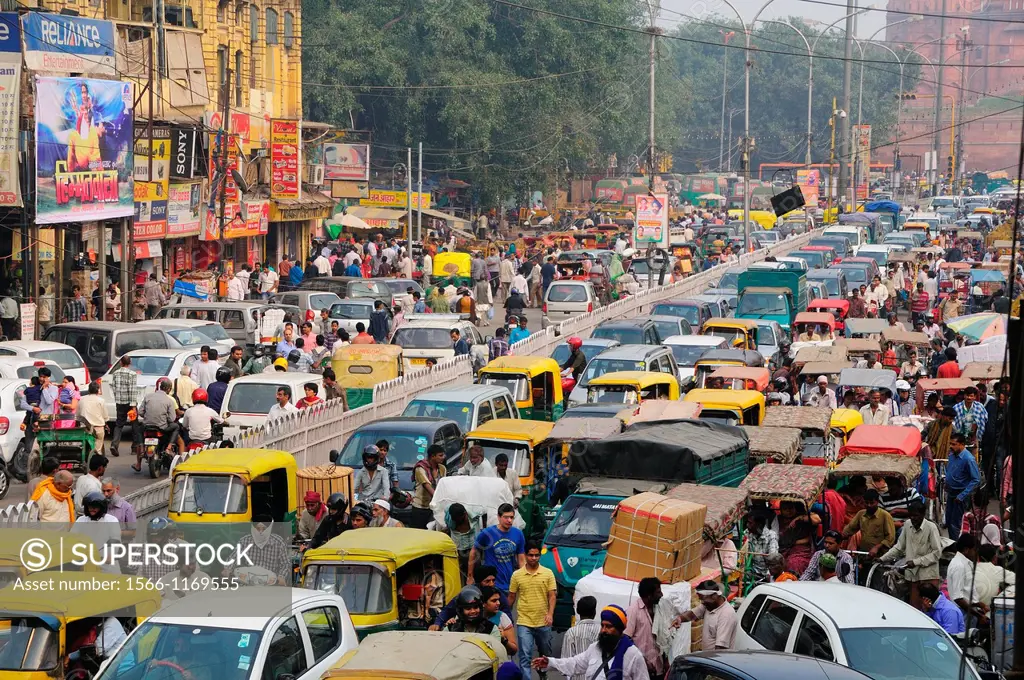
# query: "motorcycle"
[[216, 439], [157, 459]]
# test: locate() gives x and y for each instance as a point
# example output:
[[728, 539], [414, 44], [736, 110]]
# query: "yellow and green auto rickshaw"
[[359, 368], [229, 487], [40, 628], [733, 407], [534, 382], [453, 266], [518, 440], [389, 577], [632, 387], [739, 333], [421, 655]]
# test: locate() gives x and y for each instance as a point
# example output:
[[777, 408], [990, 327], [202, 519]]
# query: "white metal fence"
[[311, 434]]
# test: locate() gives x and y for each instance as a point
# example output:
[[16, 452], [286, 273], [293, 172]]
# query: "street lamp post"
[[728, 158], [725, 76]]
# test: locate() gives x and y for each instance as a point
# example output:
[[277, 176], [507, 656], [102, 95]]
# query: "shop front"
[[295, 222], [184, 223]]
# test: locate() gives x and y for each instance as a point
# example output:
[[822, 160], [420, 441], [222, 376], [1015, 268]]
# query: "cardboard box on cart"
[[653, 535]]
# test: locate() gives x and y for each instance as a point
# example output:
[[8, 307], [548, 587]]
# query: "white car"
[[11, 434], [853, 626], [250, 398], [65, 356], [425, 336], [192, 333], [687, 349], [17, 367], [250, 632], [150, 365]]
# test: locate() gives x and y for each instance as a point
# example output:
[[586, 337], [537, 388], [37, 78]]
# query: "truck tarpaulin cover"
[[657, 451]]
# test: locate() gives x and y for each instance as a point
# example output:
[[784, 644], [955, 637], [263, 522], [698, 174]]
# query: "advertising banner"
[[651, 220], [151, 192], [347, 161], [809, 181], [609, 194], [230, 188], [253, 219], [184, 209], [184, 151], [84, 154], [67, 44], [396, 199], [10, 92], [284, 159]]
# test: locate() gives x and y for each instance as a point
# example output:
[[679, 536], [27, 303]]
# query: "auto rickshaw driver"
[[336, 521]]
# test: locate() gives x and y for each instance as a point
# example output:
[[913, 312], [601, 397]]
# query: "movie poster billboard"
[[184, 209], [651, 220], [84, 154], [347, 161], [809, 182]]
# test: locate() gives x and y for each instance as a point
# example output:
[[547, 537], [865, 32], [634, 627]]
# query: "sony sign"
[[183, 152]]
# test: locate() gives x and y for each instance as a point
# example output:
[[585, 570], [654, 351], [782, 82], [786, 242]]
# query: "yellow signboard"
[[396, 199]]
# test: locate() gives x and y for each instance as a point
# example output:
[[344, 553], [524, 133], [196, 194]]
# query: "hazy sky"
[[868, 23]]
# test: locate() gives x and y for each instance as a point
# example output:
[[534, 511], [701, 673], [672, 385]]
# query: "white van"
[[857, 235], [250, 398]]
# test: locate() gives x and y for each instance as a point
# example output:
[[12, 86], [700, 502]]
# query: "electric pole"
[[937, 122], [844, 130], [964, 45]]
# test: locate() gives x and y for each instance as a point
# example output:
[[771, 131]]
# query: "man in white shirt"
[[93, 411], [237, 288], [284, 405], [478, 465], [268, 282], [626, 663], [822, 395], [322, 264], [352, 256], [205, 370], [960, 582], [199, 418], [428, 268], [99, 525], [90, 482], [874, 413]]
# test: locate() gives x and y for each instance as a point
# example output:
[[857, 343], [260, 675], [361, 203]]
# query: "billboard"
[[185, 148], [184, 209], [251, 219], [68, 44], [84, 154], [151, 192], [284, 159], [651, 220], [347, 161], [395, 199], [10, 93], [809, 182]]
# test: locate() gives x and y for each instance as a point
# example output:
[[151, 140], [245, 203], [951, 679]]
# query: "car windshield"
[[349, 310], [517, 385], [760, 305], [27, 644], [612, 394], [366, 588], [720, 417], [640, 267], [460, 412], [422, 338], [831, 285], [812, 258], [903, 653], [599, 366], [729, 280], [518, 454], [148, 365], [199, 651], [209, 493], [406, 449], [214, 331], [856, 275], [189, 337], [689, 312], [627, 336], [252, 398], [687, 355], [565, 292], [65, 358], [878, 256], [561, 352], [582, 522], [667, 328], [401, 286]]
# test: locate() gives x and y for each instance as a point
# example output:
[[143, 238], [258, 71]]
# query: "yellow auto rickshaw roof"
[[459, 264], [397, 544], [386, 353], [722, 322], [513, 429], [732, 398], [846, 419], [639, 378], [67, 601], [531, 366], [248, 462], [915, 225], [11, 541], [421, 655]]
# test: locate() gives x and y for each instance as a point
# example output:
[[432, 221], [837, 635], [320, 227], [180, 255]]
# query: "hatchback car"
[[310, 302], [569, 298], [694, 311], [63, 355], [629, 331], [100, 343], [469, 405]]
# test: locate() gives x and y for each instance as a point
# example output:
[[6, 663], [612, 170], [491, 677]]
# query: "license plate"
[[418, 362], [152, 441]]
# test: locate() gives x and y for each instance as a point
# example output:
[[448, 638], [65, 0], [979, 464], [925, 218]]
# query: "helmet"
[[223, 374], [199, 396], [160, 526], [362, 510], [281, 362], [160, 383], [902, 385], [294, 356], [370, 451], [337, 501], [95, 499], [574, 343], [780, 381], [470, 596]]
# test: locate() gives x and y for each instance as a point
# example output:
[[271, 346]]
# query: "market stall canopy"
[[772, 482], [906, 468], [780, 444], [657, 451], [711, 197], [817, 418], [725, 505], [453, 221], [376, 218], [883, 439], [979, 326]]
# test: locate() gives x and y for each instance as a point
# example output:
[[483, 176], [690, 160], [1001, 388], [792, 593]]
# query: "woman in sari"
[[795, 528]]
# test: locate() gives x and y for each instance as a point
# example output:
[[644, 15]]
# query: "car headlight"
[[573, 403]]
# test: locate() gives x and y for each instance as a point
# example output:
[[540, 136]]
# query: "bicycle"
[[889, 578]]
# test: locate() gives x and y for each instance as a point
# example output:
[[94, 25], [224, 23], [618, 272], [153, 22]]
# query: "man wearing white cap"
[[822, 396], [382, 515]]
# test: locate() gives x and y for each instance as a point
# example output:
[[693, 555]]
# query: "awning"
[[144, 250], [314, 205], [437, 214], [377, 218]]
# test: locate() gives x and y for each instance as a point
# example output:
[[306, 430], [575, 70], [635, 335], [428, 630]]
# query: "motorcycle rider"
[[334, 523], [361, 515], [470, 608], [198, 420], [577, 361], [262, 357], [217, 389], [159, 412]]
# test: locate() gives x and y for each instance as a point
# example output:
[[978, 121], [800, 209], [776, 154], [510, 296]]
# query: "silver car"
[[569, 298]]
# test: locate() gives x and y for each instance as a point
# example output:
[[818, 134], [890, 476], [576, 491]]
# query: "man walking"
[[155, 298], [531, 592], [962, 478], [123, 382], [502, 547], [583, 633], [640, 626]]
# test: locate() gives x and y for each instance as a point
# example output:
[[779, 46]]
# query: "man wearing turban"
[[612, 657]]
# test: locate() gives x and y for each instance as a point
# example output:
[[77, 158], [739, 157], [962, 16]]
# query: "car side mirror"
[[333, 456]]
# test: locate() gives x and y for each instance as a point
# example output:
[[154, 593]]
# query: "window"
[[772, 628], [126, 342], [222, 75], [289, 29], [254, 34], [232, 319], [238, 78], [812, 640], [747, 622], [324, 627], [239, 13], [287, 654], [501, 408], [486, 413], [271, 26], [222, 11]]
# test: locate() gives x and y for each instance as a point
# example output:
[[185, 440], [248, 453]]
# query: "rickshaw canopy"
[[421, 655], [817, 318], [883, 465], [70, 601], [738, 399], [760, 376], [399, 545], [725, 505], [739, 357], [513, 429], [929, 384], [723, 322], [858, 345], [574, 429], [14, 539], [910, 225], [856, 327], [824, 367], [657, 410], [913, 338], [846, 419], [452, 264], [361, 366], [780, 482], [885, 439], [984, 370], [815, 418], [821, 353], [246, 463], [829, 303], [878, 378], [955, 266], [780, 444], [639, 379], [525, 365], [987, 276]]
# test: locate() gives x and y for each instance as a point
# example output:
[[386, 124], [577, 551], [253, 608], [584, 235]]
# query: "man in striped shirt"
[[578, 638]]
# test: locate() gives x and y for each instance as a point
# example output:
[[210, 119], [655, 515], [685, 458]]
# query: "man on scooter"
[[198, 420], [158, 412], [577, 361]]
